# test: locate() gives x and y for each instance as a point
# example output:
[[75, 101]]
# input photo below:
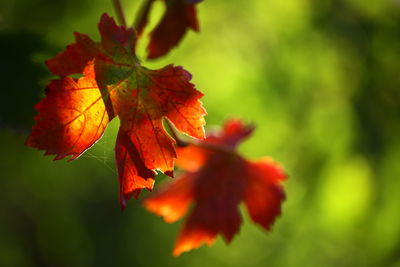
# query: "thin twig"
[[119, 12]]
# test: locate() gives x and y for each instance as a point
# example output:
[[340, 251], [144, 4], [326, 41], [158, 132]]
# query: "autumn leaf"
[[75, 112], [179, 16], [216, 180]]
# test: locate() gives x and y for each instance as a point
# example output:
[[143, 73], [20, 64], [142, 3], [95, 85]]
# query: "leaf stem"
[[190, 141], [215, 147], [175, 135], [119, 12], [142, 16]]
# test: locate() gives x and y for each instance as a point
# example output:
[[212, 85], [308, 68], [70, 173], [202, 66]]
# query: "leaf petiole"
[[119, 12], [180, 142], [175, 135]]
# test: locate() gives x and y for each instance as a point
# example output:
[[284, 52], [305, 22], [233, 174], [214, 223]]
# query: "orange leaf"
[[74, 113], [217, 181], [72, 117]]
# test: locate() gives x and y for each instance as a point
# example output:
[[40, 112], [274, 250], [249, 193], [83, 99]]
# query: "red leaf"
[[179, 16], [132, 173], [74, 113], [217, 181]]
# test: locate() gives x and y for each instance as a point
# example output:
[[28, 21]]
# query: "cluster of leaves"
[[75, 113]]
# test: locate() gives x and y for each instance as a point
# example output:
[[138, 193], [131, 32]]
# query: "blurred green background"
[[319, 78]]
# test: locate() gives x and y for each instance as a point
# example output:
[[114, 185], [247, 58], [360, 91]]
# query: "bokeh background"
[[319, 78]]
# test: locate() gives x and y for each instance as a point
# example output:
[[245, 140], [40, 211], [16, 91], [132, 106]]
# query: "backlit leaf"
[[75, 112], [216, 181]]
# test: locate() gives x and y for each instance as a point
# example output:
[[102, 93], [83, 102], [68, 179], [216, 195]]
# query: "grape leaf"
[[75, 112], [216, 180], [179, 16]]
